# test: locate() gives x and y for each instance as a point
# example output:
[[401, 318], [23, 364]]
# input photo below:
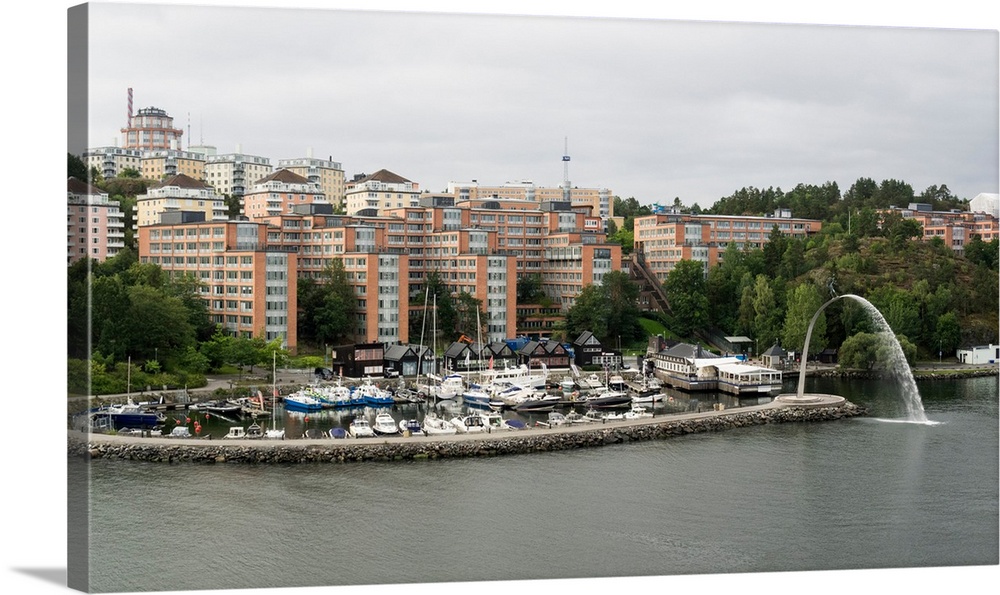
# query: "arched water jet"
[[898, 366]]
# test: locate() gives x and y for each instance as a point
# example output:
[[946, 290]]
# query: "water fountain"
[[897, 366]]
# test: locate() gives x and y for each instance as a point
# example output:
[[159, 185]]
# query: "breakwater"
[[166, 450]]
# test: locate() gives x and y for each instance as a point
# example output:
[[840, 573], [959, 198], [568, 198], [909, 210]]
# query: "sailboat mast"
[[274, 389]]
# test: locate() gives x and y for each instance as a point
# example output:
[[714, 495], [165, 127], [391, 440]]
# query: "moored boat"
[[410, 427], [384, 424], [300, 401], [436, 426], [360, 428]]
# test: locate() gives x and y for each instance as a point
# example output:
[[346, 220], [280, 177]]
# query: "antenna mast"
[[565, 159]]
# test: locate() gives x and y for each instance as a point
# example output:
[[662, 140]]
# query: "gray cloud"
[[653, 109]]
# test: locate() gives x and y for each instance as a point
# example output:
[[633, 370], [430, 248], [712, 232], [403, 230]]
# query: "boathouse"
[[589, 351], [406, 360], [359, 360], [550, 353]]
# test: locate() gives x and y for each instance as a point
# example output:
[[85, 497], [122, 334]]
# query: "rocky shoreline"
[[923, 374], [200, 451]]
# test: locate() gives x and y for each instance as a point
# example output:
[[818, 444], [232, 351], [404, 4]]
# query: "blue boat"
[[372, 395], [128, 415], [302, 402]]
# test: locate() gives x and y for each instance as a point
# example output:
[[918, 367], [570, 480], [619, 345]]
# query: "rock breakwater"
[[165, 450]]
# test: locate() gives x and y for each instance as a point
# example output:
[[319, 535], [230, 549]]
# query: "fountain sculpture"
[[897, 366]]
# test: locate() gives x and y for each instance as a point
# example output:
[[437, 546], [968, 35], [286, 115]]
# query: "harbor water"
[[850, 494]]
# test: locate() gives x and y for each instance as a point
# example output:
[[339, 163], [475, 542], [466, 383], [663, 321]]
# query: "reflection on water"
[[854, 493]]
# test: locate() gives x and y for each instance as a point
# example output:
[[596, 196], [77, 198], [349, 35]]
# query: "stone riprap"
[[329, 450]]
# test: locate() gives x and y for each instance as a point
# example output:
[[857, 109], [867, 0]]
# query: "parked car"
[[324, 373]]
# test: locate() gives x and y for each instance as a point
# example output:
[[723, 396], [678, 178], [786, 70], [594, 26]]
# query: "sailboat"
[[274, 433]]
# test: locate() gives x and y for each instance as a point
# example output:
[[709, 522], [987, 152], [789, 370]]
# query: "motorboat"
[[469, 424], [125, 415], [515, 424], [449, 387], [538, 403], [410, 427], [236, 433], [608, 399], [481, 398], [313, 433], [384, 424], [575, 417], [360, 428], [637, 412], [617, 383], [494, 421], [568, 384], [521, 376], [603, 416], [556, 418], [301, 401], [180, 432], [436, 426], [219, 407], [337, 432], [591, 382], [372, 395]]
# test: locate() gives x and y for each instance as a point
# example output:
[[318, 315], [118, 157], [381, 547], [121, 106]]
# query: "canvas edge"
[[77, 471]]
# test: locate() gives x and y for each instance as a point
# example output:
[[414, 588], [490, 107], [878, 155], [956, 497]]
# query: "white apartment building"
[[381, 191], [234, 173], [111, 161], [326, 173], [179, 193]]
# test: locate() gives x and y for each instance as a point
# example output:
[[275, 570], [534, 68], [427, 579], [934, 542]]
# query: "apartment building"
[[233, 173], [249, 285], [151, 129], [380, 191], [600, 200], [160, 164], [278, 193], [326, 173], [95, 225], [111, 161], [955, 228], [663, 240], [179, 193]]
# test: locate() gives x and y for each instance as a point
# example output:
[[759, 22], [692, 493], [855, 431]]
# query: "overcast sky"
[[651, 108]]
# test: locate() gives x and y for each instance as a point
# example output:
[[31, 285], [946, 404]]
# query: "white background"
[[34, 100]]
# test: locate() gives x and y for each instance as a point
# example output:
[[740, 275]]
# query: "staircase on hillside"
[[648, 282]]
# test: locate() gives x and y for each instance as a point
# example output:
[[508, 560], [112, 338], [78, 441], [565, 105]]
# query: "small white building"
[[983, 354]]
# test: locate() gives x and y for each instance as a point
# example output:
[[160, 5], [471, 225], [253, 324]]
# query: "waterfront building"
[[150, 129], [95, 225], [278, 193], [326, 173], [111, 161], [663, 240], [249, 285], [179, 193], [233, 173], [691, 368], [379, 192], [955, 227], [981, 354], [160, 164]]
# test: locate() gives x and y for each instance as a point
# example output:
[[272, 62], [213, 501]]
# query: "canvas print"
[[390, 298]]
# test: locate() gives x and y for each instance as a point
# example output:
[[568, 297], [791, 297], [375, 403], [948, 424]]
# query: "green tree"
[[327, 306], [77, 168], [948, 332], [608, 310], [803, 303], [529, 288], [686, 294]]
